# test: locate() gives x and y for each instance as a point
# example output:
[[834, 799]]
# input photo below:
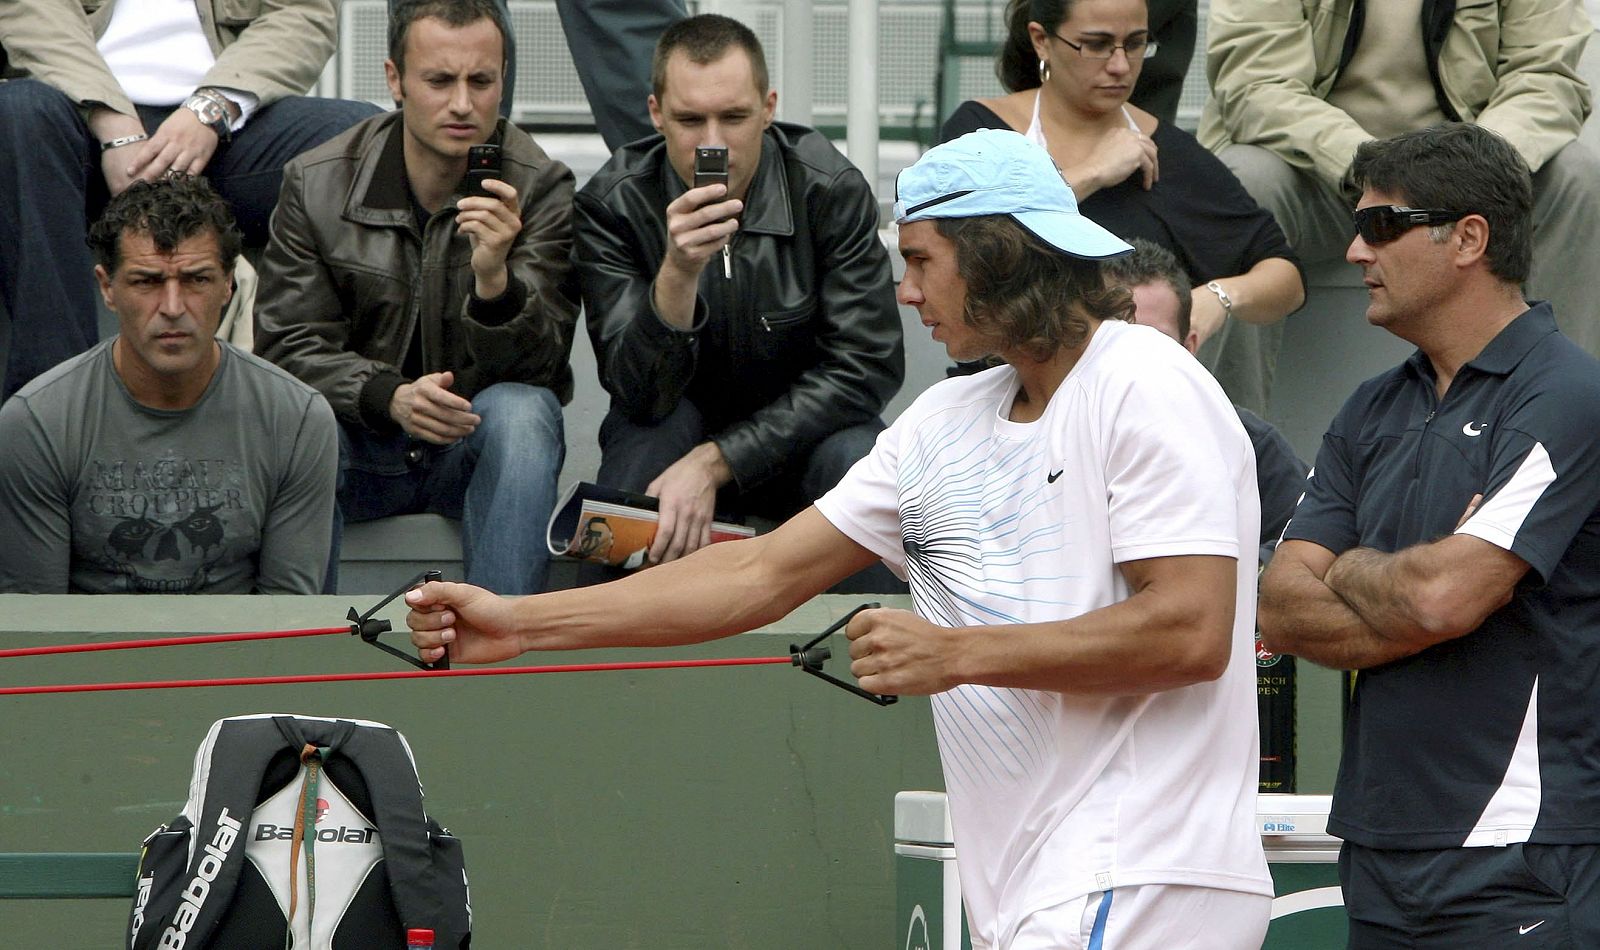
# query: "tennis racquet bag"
[[300, 833]]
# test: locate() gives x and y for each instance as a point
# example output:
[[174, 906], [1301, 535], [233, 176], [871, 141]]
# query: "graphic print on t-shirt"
[[955, 491], [981, 548], [161, 524]]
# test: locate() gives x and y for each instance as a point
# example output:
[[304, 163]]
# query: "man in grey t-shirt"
[[164, 460]]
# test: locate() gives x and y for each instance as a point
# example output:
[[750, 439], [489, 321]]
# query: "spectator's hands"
[[426, 409], [106, 124], [181, 145], [114, 166], [897, 653], [473, 624], [1206, 314], [688, 494], [1125, 152], [491, 226], [699, 224]]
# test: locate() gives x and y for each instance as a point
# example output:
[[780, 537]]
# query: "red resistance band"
[[173, 641], [809, 658], [394, 675]]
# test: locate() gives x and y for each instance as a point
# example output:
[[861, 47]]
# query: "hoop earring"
[[1044, 71]]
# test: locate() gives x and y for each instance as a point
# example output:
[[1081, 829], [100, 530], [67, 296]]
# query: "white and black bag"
[[300, 833]]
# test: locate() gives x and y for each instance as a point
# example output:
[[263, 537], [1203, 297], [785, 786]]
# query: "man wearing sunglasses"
[[1297, 86], [1447, 547]]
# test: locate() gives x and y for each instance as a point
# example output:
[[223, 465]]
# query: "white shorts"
[[1148, 917]]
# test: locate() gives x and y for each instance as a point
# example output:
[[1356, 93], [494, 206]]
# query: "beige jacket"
[[1509, 66], [270, 48]]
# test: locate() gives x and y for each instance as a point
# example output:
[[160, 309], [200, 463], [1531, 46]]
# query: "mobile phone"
[[710, 165], [483, 163]]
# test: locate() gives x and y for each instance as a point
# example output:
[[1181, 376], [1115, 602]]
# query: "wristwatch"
[[208, 107]]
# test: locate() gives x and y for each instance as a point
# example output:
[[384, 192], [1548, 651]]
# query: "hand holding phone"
[[483, 163], [710, 165]]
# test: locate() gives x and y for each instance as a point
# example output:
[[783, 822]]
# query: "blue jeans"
[[51, 187], [611, 42], [500, 481]]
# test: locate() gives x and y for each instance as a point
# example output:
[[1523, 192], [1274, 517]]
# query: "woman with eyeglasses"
[[1071, 65]]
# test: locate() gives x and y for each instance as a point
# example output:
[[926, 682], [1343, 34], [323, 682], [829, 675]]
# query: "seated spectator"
[[101, 94], [746, 330], [1161, 300], [163, 460], [1297, 87], [1070, 67], [438, 323]]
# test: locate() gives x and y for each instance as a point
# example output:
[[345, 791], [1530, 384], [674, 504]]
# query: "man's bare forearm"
[[1302, 615], [1402, 594], [719, 590]]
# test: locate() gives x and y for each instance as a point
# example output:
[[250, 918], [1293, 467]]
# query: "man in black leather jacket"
[[747, 332], [437, 322]]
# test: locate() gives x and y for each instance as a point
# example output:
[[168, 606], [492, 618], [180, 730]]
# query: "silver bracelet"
[[1222, 295], [124, 140]]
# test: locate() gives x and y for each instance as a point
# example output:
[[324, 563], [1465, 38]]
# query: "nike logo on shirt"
[[1522, 931], [1051, 478]]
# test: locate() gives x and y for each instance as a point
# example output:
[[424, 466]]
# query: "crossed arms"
[[1364, 608]]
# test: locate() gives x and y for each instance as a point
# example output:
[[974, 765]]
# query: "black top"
[[1490, 738], [795, 334], [1280, 477], [1173, 24], [1198, 210]]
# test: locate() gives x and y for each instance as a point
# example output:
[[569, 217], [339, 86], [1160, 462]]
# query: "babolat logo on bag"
[[302, 833]]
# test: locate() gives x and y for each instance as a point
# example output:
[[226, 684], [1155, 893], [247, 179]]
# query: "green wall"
[[747, 807], [1318, 712], [730, 807]]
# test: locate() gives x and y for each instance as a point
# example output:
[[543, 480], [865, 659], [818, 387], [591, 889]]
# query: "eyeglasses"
[[1100, 47], [1381, 224]]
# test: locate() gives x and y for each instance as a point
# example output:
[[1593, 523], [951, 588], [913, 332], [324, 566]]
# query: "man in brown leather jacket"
[[746, 331], [99, 93], [437, 323]]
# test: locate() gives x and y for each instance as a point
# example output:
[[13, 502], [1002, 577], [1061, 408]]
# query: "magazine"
[[610, 526]]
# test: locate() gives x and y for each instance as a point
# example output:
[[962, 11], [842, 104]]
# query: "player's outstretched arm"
[[718, 591]]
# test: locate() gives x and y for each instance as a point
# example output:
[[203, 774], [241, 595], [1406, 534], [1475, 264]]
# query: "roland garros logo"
[[1264, 656]]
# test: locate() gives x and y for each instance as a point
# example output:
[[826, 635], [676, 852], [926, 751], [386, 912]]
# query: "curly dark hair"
[[1025, 294], [170, 210]]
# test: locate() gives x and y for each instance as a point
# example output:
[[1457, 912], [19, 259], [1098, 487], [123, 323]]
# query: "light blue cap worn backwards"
[[993, 171]]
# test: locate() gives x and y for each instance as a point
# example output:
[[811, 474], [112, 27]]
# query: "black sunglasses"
[[1381, 224]]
